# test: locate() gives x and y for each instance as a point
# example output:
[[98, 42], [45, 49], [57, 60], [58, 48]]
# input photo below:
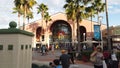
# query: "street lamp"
[[108, 34], [100, 22]]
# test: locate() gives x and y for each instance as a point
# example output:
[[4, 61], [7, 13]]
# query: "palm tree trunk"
[[18, 20], [78, 35], [24, 17]]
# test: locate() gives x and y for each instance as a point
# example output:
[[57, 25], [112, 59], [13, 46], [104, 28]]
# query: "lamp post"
[[100, 22], [108, 32]]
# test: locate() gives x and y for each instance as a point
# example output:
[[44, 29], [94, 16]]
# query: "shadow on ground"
[[37, 66]]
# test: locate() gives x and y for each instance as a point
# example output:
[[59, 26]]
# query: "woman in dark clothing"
[[115, 59], [65, 59], [71, 53]]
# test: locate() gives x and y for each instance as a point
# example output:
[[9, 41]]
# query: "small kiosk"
[[15, 47]]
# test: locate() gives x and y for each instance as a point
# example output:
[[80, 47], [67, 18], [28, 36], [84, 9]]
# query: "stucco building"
[[60, 30]]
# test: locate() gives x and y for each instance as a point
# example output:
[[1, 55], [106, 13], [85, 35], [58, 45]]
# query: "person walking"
[[53, 48], [98, 63], [106, 55], [71, 53], [65, 59], [43, 49], [115, 59]]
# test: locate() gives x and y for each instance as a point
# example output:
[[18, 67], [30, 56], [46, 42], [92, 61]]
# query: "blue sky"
[[54, 6]]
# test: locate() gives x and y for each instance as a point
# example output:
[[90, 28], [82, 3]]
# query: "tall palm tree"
[[75, 10], [47, 18], [25, 7], [19, 12], [17, 9], [29, 16], [71, 12], [99, 7], [42, 8], [78, 7]]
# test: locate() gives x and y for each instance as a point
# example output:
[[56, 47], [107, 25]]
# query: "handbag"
[[93, 59], [104, 64]]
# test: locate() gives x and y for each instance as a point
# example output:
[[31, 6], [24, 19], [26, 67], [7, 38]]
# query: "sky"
[[55, 6]]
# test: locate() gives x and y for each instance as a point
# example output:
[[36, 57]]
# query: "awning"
[[89, 41]]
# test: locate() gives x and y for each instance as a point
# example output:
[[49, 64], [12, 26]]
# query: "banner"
[[97, 32]]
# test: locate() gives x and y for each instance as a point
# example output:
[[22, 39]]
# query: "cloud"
[[114, 6], [114, 2]]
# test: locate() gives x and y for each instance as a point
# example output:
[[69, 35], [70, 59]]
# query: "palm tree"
[[42, 9], [76, 12], [47, 18], [71, 12], [25, 7], [77, 9], [17, 9], [98, 7], [29, 16]]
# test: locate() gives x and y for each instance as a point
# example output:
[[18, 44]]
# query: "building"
[[114, 36], [61, 30]]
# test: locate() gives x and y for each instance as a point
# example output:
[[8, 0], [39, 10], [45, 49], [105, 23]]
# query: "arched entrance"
[[61, 32], [38, 34], [82, 33]]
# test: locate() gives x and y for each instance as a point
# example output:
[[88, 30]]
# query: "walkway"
[[38, 59]]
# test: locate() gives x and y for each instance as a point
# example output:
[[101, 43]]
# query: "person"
[[52, 48], [43, 49], [55, 64], [65, 59], [51, 64], [98, 57], [115, 59], [106, 55], [71, 53]]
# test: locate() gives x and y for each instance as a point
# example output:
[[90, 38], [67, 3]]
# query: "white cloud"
[[57, 2], [54, 6], [114, 6], [114, 2]]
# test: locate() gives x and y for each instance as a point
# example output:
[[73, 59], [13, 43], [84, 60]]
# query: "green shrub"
[[35, 66], [84, 56], [118, 54], [44, 66]]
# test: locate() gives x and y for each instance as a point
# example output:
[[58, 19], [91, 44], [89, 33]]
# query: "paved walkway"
[[38, 59]]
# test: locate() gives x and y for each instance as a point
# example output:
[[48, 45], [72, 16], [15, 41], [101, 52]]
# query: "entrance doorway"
[[61, 32]]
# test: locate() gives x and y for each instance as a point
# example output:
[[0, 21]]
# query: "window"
[[42, 37], [22, 47], [1, 47], [26, 47], [10, 47], [29, 46]]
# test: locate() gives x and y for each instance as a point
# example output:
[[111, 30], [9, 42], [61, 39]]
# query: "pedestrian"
[[43, 49], [115, 59], [53, 48], [65, 59], [71, 53], [51, 64], [106, 55], [98, 55], [55, 64]]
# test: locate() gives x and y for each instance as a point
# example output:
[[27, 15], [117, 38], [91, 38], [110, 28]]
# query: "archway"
[[38, 34], [82, 33], [61, 32]]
